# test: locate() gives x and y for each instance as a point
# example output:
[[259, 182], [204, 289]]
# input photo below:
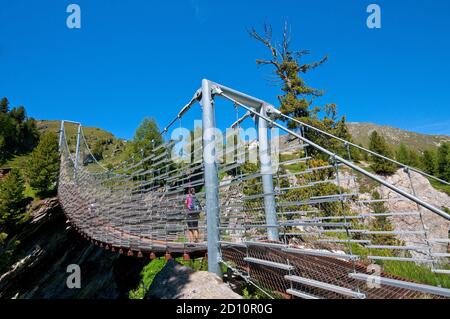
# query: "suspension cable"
[[89, 151], [342, 160], [362, 148]]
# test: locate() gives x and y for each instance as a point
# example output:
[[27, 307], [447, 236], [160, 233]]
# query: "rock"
[[435, 225], [38, 266], [176, 281]]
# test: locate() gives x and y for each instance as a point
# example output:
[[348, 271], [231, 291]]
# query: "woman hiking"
[[194, 208]]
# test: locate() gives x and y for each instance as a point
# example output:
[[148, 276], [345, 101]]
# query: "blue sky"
[[132, 59]]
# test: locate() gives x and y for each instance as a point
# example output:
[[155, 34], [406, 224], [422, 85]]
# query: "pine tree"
[[18, 134], [43, 166], [289, 67], [403, 154], [4, 105], [443, 161], [364, 155], [428, 162], [381, 223], [378, 145], [297, 98], [12, 201], [414, 158], [147, 136]]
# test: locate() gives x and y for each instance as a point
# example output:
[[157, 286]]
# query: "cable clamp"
[[215, 90]]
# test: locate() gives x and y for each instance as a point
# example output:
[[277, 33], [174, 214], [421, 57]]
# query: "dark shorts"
[[192, 221]]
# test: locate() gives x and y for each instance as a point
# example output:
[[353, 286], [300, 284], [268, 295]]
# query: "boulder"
[[176, 281]]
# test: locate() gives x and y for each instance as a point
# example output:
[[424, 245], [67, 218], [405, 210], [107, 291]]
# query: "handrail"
[[362, 148], [340, 159], [278, 112]]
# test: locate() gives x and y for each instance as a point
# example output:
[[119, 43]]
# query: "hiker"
[[193, 206]]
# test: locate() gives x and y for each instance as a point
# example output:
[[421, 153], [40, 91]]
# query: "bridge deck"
[[325, 269]]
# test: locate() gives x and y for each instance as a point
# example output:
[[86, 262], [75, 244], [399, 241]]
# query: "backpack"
[[196, 203]]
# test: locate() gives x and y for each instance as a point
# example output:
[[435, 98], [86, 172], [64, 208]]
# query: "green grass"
[[409, 270], [250, 292], [418, 273], [439, 186], [293, 168], [406, 270], [288, 157], [149, 272]]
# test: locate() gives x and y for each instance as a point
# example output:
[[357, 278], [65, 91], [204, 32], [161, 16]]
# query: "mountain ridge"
[[394, 136]]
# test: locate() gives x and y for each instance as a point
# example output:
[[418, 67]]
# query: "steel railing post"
[[267, 177], [211, 179], [77, 152], [61, 133]]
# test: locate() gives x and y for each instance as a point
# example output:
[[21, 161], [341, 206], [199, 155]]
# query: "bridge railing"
[[285, 213], [137, 207], [314, 208]]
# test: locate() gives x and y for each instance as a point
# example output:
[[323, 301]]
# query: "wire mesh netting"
[[140, 206], [306, 224]]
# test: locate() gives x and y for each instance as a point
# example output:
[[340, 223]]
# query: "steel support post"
[[77, 152], [61, 133], [211, 179], [267, 177]]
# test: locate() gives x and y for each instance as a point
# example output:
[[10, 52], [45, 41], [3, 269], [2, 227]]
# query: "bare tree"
[[288, 67]]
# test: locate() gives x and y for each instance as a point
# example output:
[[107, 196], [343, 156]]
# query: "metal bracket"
[[271, 110], [215, 90]]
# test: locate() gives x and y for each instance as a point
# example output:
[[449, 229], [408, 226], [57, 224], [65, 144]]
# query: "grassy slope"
[[113, 152], [113, 146], [394, 136], [440, 186], [93, 134]]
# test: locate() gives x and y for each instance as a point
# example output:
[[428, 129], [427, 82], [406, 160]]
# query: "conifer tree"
[[43, 166], [443, 161], [289, 68], [378, 145], [12, 201], [297, 98], [403, 154], [428, 162], [147, 136], [4, 105]]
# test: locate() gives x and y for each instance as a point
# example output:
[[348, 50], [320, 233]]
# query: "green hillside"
[[395, 136], [112, 148]]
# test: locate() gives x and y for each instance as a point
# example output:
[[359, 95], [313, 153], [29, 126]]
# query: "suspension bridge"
[[266, 222]]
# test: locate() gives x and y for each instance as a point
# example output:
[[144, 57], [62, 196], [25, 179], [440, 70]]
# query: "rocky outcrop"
[[176, 281], [435, 226], [47, 246]]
